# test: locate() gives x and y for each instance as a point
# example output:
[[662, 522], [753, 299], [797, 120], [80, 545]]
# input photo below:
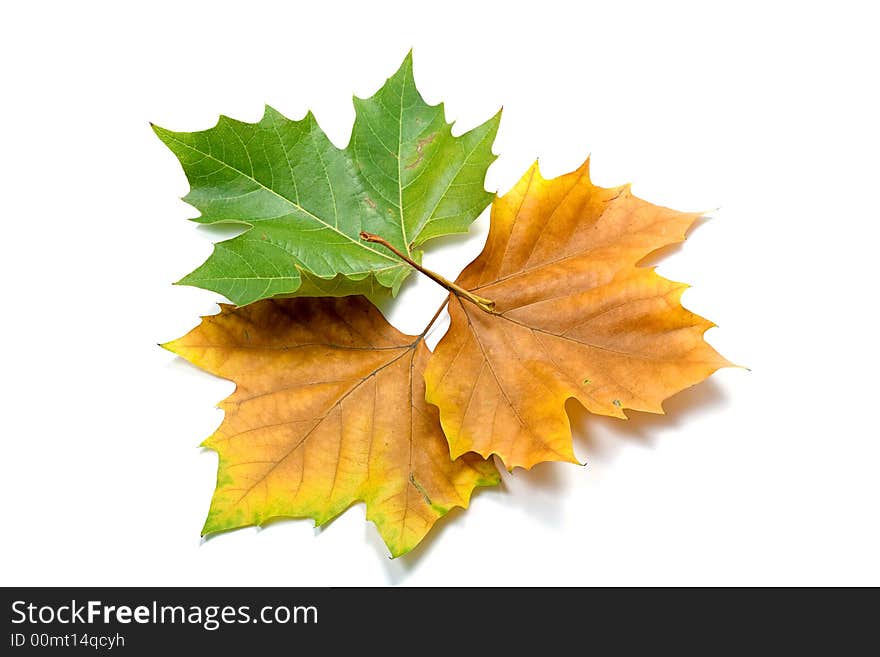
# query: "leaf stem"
[[482, 302], [434, 319]]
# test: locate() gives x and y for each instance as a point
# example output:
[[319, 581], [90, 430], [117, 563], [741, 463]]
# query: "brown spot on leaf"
[[420, 488], [420, 144]]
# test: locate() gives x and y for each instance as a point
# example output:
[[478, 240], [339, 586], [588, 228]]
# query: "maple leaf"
[[573, 317], [329, 409], [304, 201]]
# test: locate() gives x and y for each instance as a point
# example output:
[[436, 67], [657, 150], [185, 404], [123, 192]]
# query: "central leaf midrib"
[[284, 198], [399, 165]]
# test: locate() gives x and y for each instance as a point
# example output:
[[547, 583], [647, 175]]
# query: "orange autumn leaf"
[[574, 317], [329, 409]]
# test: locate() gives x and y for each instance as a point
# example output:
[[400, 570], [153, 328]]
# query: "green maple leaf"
[[402, 176]]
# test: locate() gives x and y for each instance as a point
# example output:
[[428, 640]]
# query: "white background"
[[767, 111]]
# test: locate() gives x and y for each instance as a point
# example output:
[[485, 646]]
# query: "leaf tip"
[[584, 168], [160, 132], [168, 346], [534, 170], [399, 551], [405, 68]]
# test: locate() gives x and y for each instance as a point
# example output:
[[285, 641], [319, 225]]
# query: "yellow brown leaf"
[[329, 409], [575, 317]]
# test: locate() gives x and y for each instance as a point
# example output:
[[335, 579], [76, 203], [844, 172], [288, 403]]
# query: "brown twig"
[[483, 303], [434, 318]]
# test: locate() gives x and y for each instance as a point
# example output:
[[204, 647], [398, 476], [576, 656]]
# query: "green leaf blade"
[[304, 201]]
